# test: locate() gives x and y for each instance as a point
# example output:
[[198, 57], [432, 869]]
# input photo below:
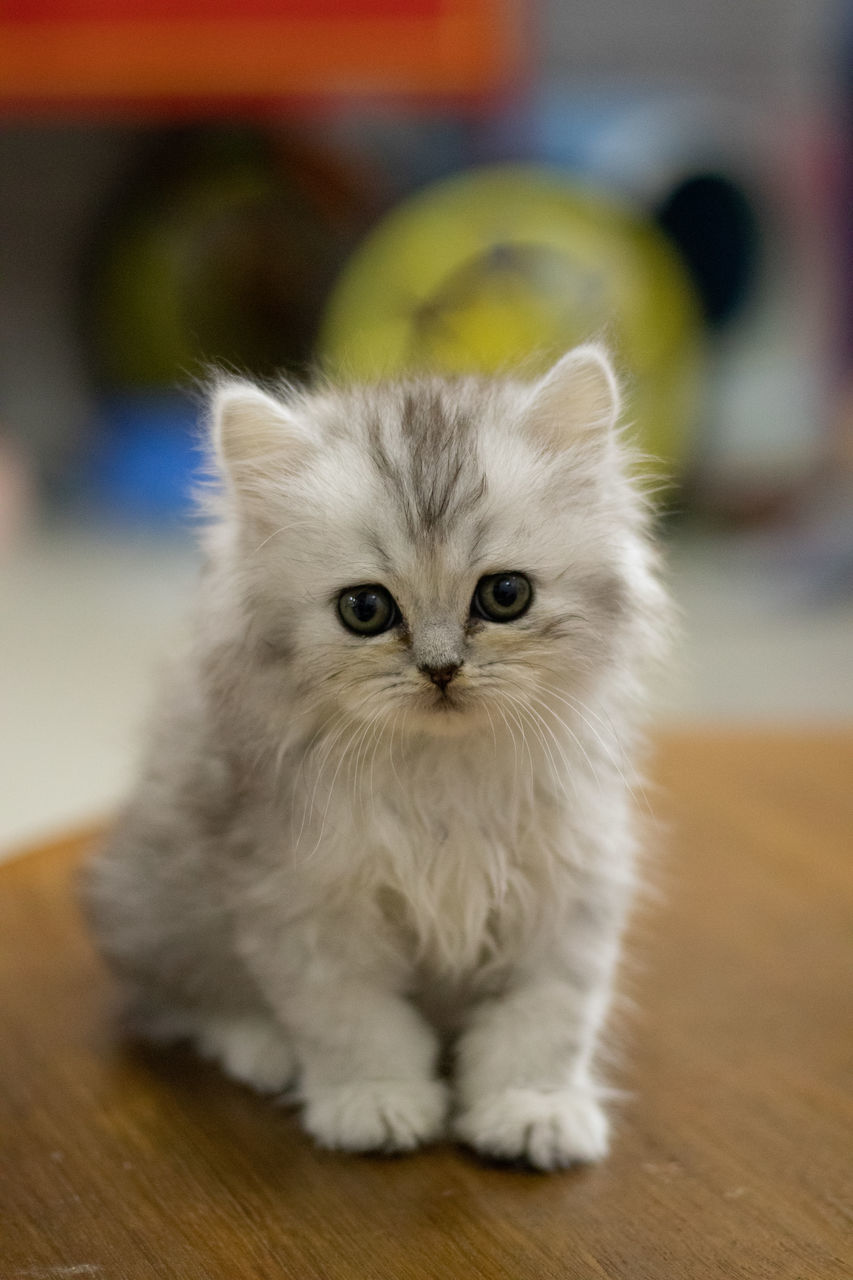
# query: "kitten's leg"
[[251, 1047], [366, 1059], [525, 1083], [253, 1050]]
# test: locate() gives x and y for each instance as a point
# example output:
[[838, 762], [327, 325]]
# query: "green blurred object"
[[506, 268]]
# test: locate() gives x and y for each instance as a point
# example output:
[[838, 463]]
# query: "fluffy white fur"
[[331, 868]]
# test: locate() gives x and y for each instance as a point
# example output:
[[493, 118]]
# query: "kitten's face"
[[429, 561]]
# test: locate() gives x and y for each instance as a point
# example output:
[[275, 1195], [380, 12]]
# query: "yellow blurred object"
[[505, 268]]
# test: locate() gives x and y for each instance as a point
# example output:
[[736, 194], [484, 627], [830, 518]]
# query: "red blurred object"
[[164, 55]]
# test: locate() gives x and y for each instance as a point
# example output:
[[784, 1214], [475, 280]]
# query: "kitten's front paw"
[[377, 1115], [254, 1051], [548, 1129]]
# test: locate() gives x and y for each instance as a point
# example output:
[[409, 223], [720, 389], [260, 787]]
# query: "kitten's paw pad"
[[549, 1130], [377, 1115], [254, 1051]]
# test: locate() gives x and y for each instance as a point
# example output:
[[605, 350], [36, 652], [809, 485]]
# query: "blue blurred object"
[[144, 457]]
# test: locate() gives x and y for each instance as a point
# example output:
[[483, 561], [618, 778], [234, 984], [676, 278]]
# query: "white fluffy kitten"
[[386, 806]]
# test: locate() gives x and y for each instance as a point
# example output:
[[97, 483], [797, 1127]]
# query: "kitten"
[[386, 805]]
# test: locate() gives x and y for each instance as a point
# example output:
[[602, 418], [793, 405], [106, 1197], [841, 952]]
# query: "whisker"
[[492, 727], [285, 528], [397, 714], [329, 746], [354, 736], [641, 797], [587, 757], [536, 723], [377, 738], [574, 704], [352, 768], [524, 742], [527, 779], [514, 739], [370, 739], [559, 746]]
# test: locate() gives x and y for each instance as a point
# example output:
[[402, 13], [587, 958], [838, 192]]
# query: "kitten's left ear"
[[578, 397]]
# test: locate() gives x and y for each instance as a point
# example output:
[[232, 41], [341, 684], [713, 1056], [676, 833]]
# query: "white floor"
[[85, 619]]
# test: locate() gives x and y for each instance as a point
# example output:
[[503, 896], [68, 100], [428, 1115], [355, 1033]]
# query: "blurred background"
[[373, 185]]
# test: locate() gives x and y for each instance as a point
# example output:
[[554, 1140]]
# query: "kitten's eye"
[[367, 610], [502, 597]]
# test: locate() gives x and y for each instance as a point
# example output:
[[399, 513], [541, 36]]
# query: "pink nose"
[[441, 675]]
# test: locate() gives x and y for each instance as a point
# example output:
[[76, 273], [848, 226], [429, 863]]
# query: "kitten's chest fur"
[[453, 848]]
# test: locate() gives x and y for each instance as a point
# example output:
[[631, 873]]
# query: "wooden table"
[[733, 1150]]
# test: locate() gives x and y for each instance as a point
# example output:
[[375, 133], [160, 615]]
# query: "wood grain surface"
[[734, 1142]]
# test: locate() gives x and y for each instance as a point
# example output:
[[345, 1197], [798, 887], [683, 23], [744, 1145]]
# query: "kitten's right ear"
[[251, 429]]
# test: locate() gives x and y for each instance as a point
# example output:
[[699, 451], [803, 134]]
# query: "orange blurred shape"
[[58, 53]]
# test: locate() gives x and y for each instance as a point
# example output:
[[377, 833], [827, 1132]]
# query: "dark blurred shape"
[[221, 249], [713, 224]]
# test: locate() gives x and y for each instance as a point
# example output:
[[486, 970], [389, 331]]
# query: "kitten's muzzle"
[[441, 676]]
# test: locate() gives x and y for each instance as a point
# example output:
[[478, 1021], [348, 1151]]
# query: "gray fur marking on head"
[[437, 479]]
